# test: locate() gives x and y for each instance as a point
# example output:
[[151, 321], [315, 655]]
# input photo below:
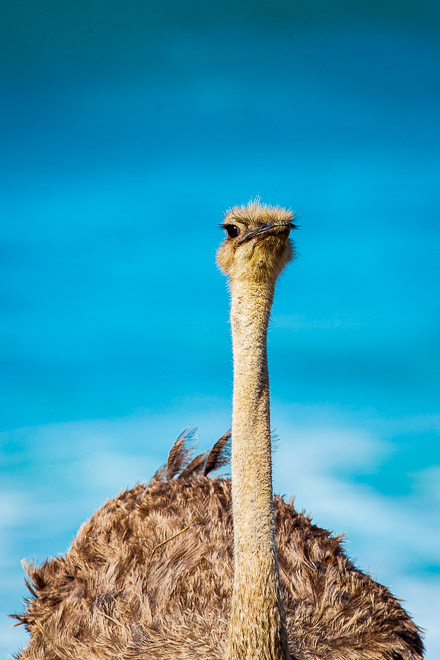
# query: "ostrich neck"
[[257, 629]]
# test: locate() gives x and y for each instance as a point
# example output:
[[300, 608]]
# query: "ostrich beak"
[[269, 230]]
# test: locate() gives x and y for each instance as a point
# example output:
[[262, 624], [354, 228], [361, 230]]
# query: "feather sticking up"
[[220, 454], [179, 455], [194, 467]]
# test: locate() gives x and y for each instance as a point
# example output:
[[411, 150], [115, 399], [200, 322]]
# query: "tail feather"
[[180, 453], [180, 465], [195, 467], [219, 455]]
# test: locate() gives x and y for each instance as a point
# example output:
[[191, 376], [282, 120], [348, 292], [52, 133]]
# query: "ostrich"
[[194, 567]]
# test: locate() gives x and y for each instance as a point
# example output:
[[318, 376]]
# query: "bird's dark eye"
[[231, 230]]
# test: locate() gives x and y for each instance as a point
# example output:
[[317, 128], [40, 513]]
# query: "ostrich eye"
[[231, 230]]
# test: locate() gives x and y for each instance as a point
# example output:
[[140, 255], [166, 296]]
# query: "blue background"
[[127, 129]]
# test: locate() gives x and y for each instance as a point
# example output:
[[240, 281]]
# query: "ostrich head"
[[257, 245]]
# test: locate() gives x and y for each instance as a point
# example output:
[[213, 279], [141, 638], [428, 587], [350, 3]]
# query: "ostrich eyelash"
[[292, 225]]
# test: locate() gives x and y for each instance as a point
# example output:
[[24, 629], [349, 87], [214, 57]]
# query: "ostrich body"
[[160, 571]]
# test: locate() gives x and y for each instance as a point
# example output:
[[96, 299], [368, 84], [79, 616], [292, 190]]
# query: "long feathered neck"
[[257, 627]]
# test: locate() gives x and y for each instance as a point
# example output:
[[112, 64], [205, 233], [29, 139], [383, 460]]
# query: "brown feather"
[[180, 453], [219, 455], [195, 467]]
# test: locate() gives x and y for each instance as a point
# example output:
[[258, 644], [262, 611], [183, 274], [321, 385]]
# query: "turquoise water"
[[127, 130]]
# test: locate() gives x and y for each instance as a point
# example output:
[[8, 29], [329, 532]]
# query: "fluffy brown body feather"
[[149, 576]]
